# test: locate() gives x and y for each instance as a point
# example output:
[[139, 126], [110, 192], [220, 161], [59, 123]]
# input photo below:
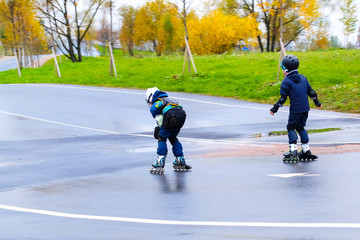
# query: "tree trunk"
[[274, 31], [260, 44]]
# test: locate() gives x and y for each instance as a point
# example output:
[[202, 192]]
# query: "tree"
[[110, 5], [296, 16], [184, 13], [334, 42], [103, 33], [22, 29], [68, 21], [217, 32], [171, 33], [2, 52], [321, 40], [147, 23], [349, 11], [358, 39], [128, 15]]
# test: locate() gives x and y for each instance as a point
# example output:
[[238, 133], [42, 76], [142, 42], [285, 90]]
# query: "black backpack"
[[174, 118]]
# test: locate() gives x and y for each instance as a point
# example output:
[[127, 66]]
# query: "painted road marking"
[[186, 99], [225, 142], [290, 175], [200, 140], [176, 222]]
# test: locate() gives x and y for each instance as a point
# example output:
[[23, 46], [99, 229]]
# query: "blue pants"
[[170, 134], [297, 121]]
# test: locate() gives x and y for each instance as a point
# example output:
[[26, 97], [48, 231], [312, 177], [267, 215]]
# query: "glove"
[[156, 132], [274, 110], [317, 102], [159, 119]]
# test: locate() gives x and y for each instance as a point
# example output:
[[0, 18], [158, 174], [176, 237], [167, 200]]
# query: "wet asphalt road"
[[74, 164]]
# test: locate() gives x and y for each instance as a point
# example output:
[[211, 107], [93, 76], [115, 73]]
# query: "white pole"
[[282, 55], [17, 62], [191, 58], [56, 63], [185, 57], [112, 61], [283, 51]]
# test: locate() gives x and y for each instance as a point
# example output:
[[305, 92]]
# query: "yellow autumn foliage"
[[309, 11], [217, 32], [21, 26], [170, 33]]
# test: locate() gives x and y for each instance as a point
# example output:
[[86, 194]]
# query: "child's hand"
[[319, 107], [271, 113]]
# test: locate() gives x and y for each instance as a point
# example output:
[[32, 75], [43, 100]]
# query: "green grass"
[[335, 75], [277, 133]]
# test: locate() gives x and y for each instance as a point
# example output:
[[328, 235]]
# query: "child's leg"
[[300, 128], [162, 137], [291, 126], [179, 163], [162, 148], [303, 134], [176, 145]]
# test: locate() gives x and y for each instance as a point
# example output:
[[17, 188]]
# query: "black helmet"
[[290, 63]]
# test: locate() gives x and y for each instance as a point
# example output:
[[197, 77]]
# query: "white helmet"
[[150, 93]]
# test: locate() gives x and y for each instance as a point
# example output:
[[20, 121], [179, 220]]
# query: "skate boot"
[[306, 156], [158, 166], [291, 156], [179, 164]]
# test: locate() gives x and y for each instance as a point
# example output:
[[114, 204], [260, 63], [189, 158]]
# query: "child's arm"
[[313, 96], [278, 104]]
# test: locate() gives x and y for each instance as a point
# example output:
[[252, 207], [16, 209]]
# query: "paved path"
[[74, 164], [7, 63]]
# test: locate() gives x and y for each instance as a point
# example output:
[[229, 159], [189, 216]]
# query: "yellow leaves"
[[308, 11], [147, 21], [21, 24], [217, 32], [271, 7], [154, 23]]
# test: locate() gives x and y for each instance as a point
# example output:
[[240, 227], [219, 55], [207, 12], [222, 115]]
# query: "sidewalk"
[[42, 60], [6, 58]]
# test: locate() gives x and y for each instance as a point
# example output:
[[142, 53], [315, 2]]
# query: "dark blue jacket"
[[297, 88]]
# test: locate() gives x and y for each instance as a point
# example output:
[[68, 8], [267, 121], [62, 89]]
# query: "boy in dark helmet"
[[297, 88], [170, 118]]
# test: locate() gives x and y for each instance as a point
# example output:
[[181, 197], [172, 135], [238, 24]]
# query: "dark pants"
[[297, 121], [170, 134]]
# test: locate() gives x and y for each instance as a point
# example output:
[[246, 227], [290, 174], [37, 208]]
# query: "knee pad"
[[300, 129], [290, 127], [173, 140], [156, 132], [161, 139]]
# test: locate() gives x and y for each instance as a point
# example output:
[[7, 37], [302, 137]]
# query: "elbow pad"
[[282, 100], [312, 94]]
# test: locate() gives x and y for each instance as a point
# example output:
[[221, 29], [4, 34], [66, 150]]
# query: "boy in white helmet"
[[170, 118]]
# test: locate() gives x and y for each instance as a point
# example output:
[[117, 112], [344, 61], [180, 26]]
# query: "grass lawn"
[[335, 75]]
